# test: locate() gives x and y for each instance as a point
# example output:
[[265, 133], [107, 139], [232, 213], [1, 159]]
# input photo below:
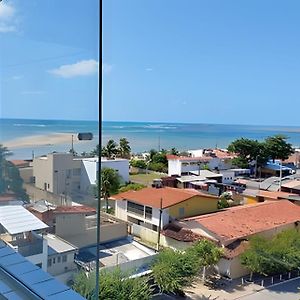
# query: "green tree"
[[4, 153], [110, 184], [273, 256], [278, 148], [173, 270], [138, 163], [247, 149], [124, 148], [131, 187], [113, 285], [111, 149]]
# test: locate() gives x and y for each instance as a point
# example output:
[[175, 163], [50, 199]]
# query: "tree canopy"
[[173, 270], [10, 179], [277, 255], [275, 147], [113, 285]]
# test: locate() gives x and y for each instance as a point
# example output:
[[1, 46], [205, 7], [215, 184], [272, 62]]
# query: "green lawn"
[[146, 179]]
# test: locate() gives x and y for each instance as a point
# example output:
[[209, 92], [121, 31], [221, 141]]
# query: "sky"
[[196, 61]]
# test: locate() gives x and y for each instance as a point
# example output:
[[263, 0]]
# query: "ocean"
[[142, 136]]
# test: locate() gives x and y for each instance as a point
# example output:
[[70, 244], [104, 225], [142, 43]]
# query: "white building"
[[62, 173], [90, 166], [230, 175]]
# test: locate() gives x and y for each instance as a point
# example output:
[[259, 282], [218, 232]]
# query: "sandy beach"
[[41, 140]]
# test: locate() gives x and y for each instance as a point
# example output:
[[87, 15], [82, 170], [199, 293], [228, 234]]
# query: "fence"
[[140, 264], [267, 281]]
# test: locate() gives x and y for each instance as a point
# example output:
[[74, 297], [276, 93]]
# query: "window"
[[148, 212], [135, 208], [68, 173], [53, 260], [64, 258], [49, 262], [76, 172], [58, 259], [181, 212]]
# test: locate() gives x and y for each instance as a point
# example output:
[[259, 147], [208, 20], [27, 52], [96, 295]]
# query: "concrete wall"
[[26, 174], [196, 205], [58, 266], [73, 228], [144, 233]]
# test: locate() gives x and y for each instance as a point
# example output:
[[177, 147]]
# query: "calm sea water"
[[141, 135]]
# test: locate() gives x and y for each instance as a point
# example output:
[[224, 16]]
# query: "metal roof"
[[21, 279], [16, 219], [58, 245]]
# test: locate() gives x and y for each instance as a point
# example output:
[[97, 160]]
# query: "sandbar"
[[42, 140]]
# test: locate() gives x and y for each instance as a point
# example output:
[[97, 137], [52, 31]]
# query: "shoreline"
[[51, 139]]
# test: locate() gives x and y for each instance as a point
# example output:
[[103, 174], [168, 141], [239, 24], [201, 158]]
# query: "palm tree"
[[111, 148], [110, 183], [4, 153], [124, 148]]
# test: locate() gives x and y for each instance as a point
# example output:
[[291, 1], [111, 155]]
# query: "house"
[[20, 229], [145, 208], [230, 175], [91, 165], [62, 173], [274, 169], [183, 165], [77, 225], [61, 254], [22, 279], [232, 228]]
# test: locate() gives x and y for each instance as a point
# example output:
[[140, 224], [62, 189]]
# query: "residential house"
[[62, 173], [61, 254], [149, 208], [232, 228]]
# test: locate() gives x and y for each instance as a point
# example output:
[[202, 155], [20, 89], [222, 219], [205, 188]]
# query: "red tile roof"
[[19, 162], [152, 196], [179, 233], [78, 209], [188, 158], [7, 197], [275, 195], [243, 221]]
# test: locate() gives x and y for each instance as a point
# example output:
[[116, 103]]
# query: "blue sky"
[[235, 62]]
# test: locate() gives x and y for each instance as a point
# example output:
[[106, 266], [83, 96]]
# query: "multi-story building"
[[62, 173]]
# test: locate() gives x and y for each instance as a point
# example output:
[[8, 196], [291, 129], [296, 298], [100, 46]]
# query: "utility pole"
[[96, 295], [159, 143], [280, 175], [159, 224], [72, 144]]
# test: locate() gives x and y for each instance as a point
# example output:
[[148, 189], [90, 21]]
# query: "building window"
[[135, 208], [155, 228], [64, 258], [181, 212], [68, 173], [148, 212], [49, 262], [76, 172], [58, 259], [53, 260]]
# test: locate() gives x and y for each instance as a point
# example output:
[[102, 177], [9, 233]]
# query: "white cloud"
[[81, 68], [149, 69], [7, 18], [32, 92]]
